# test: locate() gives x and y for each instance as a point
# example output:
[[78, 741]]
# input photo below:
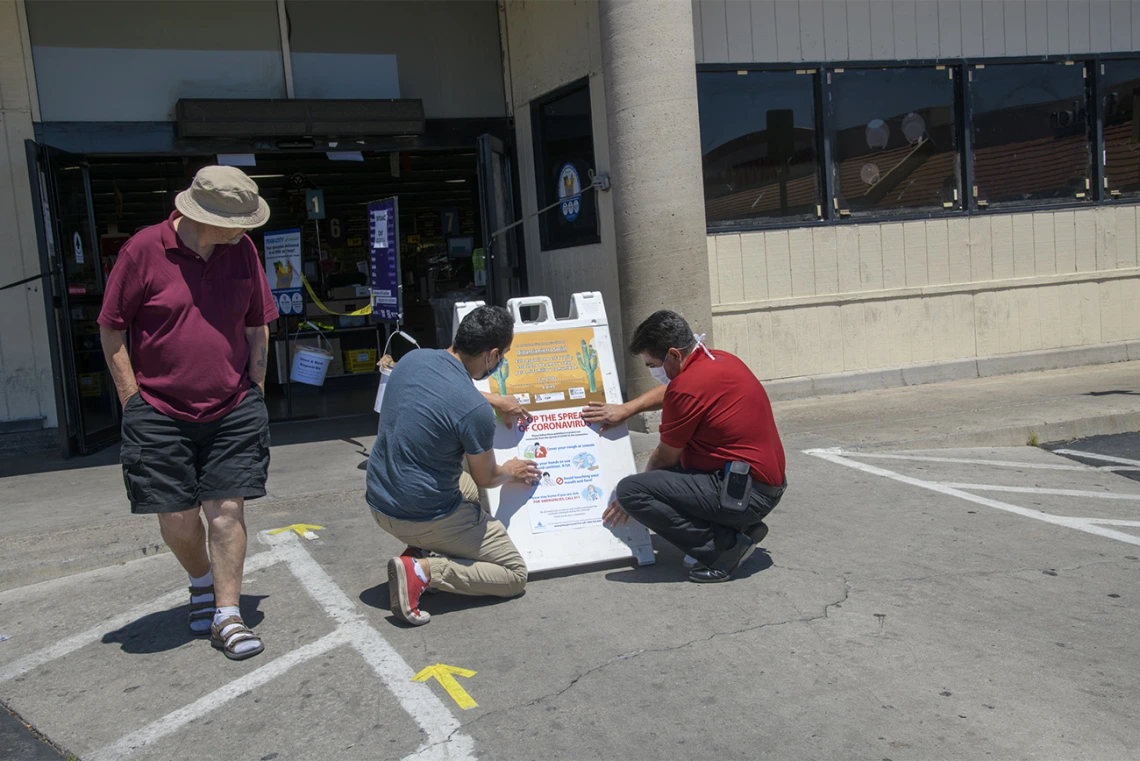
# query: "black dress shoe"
[[705, 575], [729, 562]]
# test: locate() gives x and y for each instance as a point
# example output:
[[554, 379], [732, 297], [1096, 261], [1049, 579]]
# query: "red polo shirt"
[[717, 412], [187, 319]]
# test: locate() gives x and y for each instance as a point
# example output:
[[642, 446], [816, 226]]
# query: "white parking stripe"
[[175, 720], [1095, 456], [839, 457], [958, 460], [439, 725], [70, 644], [1109, 522], [1035, 490]]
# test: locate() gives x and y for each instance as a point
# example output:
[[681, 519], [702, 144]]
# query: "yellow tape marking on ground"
[[443, 673], [299, 528]]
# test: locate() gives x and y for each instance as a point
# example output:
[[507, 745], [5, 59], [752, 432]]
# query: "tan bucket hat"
[[223, 196]]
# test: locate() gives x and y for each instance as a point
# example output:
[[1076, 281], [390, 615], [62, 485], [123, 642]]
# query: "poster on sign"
[[283, 269], [571, 492], [555, 368], [384, 260], [551, 369]]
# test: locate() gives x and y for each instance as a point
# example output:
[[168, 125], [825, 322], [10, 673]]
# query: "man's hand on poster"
[[508, 409], [605, 415], [614, 516], [523, 470]]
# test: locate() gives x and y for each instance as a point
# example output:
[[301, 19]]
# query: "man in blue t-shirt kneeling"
[[433, 417]]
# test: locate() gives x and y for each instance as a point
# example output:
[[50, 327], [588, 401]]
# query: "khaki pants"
[[478, 556]]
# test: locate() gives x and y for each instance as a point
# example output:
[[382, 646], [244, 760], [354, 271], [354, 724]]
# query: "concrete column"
[[649, 70]]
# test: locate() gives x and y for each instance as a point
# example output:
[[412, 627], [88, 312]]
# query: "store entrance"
[[453, 207]]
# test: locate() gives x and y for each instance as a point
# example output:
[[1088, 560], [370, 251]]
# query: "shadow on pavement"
[[669, 569], [347, 429], [438, 604], [167, 630]]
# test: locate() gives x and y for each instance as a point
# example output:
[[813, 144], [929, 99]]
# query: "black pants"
[[683, 507]]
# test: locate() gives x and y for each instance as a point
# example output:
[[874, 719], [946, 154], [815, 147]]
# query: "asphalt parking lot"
[[907, 605]]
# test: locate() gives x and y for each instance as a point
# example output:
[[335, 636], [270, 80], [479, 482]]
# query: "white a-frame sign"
[[555, 368]]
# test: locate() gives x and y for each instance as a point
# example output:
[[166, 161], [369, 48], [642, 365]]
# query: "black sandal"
[[201, 611]]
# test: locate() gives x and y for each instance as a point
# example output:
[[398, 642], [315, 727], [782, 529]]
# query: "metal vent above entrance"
[[298, 118]]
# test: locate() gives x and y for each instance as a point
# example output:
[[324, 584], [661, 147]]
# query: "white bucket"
[[385, 373], [386, 364], [310, 363]]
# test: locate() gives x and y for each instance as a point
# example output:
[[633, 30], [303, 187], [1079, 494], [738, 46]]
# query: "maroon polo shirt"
[[717, 412], [187, 319]]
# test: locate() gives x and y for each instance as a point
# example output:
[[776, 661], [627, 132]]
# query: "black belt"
[[767, 489]]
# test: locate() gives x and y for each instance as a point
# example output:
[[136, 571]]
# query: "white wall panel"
[[763, 14], [882, 30], [859, 29], [835, 31], [1100, 25], [739, 21], [812, 44], [1013, 16], [1079, 27], [906, 29], [926, 29], [993, 27], [950, 28], [973, 33], [1120, 16], [788, 30], [714, 30], [1057, 23]]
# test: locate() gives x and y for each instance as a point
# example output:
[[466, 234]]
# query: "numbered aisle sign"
[[555, 368]]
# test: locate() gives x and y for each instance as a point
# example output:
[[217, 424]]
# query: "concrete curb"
[[786, 389], [1015, 436]]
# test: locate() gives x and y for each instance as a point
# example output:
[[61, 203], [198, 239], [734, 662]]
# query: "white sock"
[[229, 611], [419, 571], [202, 625], [204, 581]]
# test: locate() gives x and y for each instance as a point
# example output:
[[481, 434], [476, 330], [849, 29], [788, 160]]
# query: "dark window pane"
[[895, 146], [758, 146], [1120, 86], [1031, 133], [564, 158]]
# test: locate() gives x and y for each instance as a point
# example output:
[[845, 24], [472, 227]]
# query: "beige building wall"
[[862, 297], [549, 45], [26, 386]]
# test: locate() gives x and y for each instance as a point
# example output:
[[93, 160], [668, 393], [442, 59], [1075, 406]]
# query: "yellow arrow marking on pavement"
[[300, 528], [443, 673]]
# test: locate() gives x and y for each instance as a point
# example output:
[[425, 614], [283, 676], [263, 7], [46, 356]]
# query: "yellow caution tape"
[[321, 306]]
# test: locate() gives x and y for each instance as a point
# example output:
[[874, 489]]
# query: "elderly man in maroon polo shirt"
[[191, 295], [719, 469]]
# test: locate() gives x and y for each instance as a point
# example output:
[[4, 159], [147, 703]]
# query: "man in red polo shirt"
[[191, 294], [715, 413]]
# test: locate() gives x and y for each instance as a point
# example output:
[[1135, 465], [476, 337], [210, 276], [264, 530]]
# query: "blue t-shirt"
[[431, 416]]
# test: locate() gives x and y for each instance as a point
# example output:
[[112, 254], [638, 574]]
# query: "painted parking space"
[[1094, 498], [38, 679]]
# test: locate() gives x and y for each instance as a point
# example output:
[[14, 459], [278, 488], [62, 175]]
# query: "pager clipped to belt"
[[736, 487]]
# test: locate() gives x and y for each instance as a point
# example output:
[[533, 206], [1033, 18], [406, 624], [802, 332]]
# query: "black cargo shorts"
[[172, 465]]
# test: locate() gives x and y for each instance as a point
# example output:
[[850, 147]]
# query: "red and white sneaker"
[[405, 588]]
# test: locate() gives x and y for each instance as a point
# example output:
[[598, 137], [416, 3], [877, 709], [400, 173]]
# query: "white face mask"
[[659, 375]]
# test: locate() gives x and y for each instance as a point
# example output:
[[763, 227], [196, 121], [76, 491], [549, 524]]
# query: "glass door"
[[91, 404], [505, 264]]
